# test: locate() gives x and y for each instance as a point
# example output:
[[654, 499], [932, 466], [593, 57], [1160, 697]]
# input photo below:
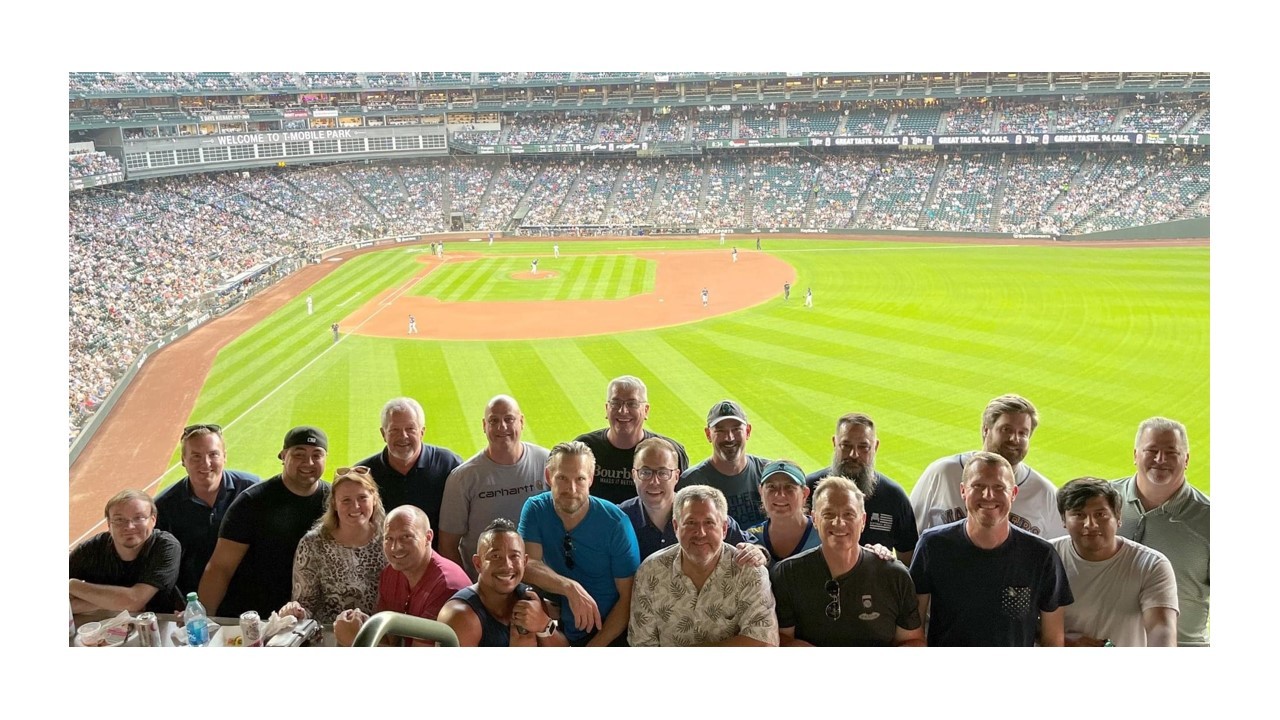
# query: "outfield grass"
[[918, 336]]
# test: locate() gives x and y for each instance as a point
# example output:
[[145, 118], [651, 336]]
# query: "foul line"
[[396, 293]]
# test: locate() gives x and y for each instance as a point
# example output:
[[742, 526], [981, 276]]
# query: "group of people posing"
[[614, 539]]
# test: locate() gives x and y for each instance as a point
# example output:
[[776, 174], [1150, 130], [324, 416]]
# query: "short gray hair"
[[628, 382], [1160, 424], [693, 493], [404, 404], [834, 483]]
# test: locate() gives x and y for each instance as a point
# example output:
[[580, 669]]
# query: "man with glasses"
[[416, 581], [840, 594], [492, 484], [890, 521], [252, 565], [409, 471], [581, 549], [132, 566], [626, 407], [1164, 512], [730, 469], [655, 474], [694, 594], [983, 581], [192, 508]]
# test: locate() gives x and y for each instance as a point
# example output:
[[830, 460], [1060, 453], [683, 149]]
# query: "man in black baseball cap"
[[730, 469], [252, 564]]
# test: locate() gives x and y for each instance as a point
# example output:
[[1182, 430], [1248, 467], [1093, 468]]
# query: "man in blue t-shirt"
[[983, 582], [580, 548]]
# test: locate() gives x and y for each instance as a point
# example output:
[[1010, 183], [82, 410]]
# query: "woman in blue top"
[[789, 529]]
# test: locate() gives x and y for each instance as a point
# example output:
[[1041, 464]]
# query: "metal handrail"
[[401, 625]]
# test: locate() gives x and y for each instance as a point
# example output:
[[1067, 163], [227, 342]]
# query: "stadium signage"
[[1098, 137], [285, 136]]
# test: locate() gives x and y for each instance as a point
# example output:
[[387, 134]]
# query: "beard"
[[864, 476]]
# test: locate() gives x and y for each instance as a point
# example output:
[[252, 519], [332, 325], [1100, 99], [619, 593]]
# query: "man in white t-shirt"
[[492, 484], [1125, 593], [1007, 424]]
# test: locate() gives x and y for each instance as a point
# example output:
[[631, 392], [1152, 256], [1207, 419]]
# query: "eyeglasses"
[[632, 405], [190, 430], [357, 470], [645, 473], [833, 591], [568, 552], [121, 523]]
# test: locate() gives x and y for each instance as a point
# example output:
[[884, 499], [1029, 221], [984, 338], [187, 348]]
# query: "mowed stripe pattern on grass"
[[1098, 338], [598, 277]]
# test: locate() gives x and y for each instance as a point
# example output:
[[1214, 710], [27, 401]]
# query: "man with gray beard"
[[890, 520]]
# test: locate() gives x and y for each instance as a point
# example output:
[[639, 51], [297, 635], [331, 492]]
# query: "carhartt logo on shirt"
[[880, 521]]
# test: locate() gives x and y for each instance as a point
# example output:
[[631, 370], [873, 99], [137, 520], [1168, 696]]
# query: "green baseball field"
[[919, 335]]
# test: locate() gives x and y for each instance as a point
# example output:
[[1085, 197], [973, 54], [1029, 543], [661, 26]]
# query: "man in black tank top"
[[500, 610]]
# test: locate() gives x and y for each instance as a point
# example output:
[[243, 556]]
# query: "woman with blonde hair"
[[338, 563]]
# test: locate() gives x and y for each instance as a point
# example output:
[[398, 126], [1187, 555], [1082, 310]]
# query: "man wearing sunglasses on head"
[[581, 549], [841, 594], [252, 565], [192, 508], [613, 448]]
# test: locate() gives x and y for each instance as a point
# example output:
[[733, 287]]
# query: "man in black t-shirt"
[[626, 408], [252, 564], [130, 567]]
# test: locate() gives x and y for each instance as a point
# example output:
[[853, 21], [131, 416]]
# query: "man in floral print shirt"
[[694, 594]]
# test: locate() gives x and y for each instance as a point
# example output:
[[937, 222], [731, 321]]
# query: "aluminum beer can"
[[251, 628], [149, 630]]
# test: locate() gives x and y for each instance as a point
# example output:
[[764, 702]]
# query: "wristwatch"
[[551, 629]]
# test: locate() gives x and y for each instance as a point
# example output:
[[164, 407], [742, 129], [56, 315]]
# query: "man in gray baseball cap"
[[730, 469], [252, 564]]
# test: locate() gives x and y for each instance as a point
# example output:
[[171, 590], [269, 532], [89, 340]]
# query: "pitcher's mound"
[[540, 275]]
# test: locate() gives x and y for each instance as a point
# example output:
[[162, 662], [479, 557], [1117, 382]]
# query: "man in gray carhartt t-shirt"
[[495, 483]]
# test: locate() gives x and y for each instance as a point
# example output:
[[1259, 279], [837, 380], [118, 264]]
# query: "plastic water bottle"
[[196, 621]]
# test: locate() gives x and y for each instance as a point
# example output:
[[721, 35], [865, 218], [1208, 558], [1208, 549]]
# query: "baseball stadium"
[[265, 250]]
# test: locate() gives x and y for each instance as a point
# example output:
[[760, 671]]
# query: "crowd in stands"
[[1030, 185], [679, 193], [1085, 116], [585, 204], [622, 127], [634, 197], [896, 195], [840, 181], [1157, 118], [1025, 117], [963, 194], [144, 253], [82, 165], [972, 117]]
